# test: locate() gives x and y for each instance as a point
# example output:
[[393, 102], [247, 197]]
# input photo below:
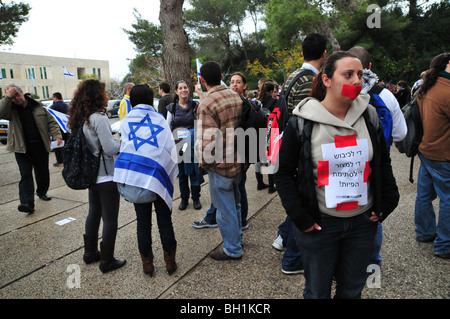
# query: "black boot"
[[107, 260], [197, 204], [272, 188], [183, 204], [259, 179], [91, 253]]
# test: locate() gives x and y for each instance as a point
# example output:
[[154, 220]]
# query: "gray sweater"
[[99, 136]]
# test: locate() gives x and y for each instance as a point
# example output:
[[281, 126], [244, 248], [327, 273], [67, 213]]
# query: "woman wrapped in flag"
[[148, 160]]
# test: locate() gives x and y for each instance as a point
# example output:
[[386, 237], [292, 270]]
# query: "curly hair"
[[90, 97], [438, 65]]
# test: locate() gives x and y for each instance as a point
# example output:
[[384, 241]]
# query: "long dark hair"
[[319, 89], [438, 64], [266, 92], [90, 97]]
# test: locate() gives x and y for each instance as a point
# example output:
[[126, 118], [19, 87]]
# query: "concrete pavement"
[[41, 256]]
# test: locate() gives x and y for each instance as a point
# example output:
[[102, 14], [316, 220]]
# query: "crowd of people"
[[333, 226]]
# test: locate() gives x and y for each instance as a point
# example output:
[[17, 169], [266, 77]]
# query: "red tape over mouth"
[[351, 91]]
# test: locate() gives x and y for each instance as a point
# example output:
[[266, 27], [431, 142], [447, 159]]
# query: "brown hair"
[[90, 97], [438, 64], [266, 92], [319, 90]]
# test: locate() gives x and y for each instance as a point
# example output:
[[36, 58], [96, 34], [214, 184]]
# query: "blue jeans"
[[225, 196], [341, 249], [292, 259], [211, 213], [433, 181]]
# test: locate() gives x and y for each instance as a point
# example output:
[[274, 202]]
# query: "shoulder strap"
[[376, 89], [298, 124], [295, 79]]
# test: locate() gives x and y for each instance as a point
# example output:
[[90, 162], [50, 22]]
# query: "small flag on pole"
[[66, 72], [199, 65]]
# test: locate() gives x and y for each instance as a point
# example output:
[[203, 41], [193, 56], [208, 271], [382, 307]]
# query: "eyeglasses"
[[235, 82]]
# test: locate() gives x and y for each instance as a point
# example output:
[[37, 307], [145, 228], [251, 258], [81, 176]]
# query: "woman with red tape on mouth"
[[336, 181]]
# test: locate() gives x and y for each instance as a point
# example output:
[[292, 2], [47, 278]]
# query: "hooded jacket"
[[297, 176]]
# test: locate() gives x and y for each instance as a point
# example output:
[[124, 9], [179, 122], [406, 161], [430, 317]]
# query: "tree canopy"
[[410, 33], [12, 15]]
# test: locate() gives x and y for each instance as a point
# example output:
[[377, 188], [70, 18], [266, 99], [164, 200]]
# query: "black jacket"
[[296, 183]]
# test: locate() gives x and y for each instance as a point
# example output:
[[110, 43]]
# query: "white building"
[[44, 75]]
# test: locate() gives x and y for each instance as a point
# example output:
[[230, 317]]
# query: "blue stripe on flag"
[[145, 165], [61, 123]]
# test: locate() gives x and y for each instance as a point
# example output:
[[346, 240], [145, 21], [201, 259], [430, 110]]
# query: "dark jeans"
[[59, 151], [292, 259], [341, 249], [104, 200], [184, 183], [144, 226], [35, 158]]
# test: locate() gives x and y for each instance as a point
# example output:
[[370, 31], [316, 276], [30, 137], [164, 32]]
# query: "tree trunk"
[[175, 52], [336, 47]]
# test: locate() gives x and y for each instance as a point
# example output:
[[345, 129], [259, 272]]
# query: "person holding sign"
[[335, 179]]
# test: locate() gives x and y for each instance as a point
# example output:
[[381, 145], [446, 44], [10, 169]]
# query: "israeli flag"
[[148, 157], [61, 118], [199, 65], [66, 72]]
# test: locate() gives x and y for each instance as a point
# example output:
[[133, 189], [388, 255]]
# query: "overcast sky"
[[85, 29]]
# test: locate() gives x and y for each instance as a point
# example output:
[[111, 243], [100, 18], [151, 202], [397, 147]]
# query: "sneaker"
[[244, 227], [204, 224], [278, 244], [292, 272]]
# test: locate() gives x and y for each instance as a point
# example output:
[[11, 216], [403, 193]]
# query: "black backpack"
[[80, 165], [410, 144], [253, 116]]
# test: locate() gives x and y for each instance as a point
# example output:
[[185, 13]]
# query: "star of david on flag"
[[148, 156], [144, 125]]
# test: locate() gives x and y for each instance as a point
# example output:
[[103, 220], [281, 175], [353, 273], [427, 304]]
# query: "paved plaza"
[[41, 253]]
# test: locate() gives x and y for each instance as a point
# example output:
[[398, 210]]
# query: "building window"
[[11, 73], [99, 74], [45, 73], [4, 73], [81, 72], [42, 74]]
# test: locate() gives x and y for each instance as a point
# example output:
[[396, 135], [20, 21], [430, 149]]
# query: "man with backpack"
[[391, 118], [314, 52], [218, 116]]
